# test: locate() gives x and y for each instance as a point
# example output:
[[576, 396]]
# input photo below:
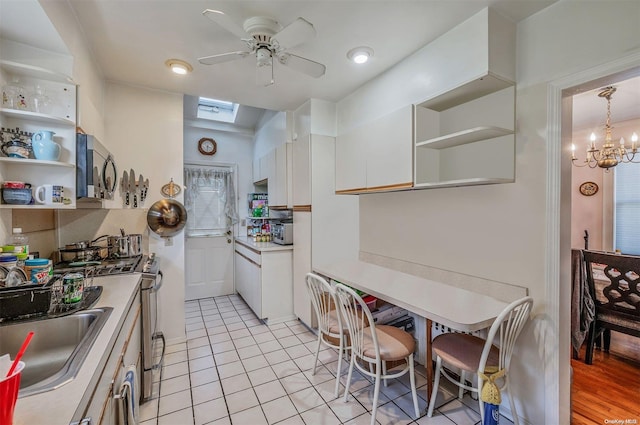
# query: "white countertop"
[[58, 406], [454, 307], [262, 246]]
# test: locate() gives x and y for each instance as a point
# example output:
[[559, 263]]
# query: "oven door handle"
[[160, 336], [156, 287]]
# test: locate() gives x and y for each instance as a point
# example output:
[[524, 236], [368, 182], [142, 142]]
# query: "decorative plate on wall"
[[588, 188]]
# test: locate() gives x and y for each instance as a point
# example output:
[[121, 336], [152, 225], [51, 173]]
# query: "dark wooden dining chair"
[[614, 284]]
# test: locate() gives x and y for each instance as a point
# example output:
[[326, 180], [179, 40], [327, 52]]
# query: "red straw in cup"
[[25, 344]]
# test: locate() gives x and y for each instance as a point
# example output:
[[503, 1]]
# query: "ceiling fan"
[[266, 40]]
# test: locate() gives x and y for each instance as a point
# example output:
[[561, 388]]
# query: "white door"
[[211, 205], [209, 266]]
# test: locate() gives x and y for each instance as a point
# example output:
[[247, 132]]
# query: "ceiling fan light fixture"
[[263, 56], [179, 66], [360, 54]]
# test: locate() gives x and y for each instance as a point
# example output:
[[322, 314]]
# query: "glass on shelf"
[[14, 95], [40, 101]]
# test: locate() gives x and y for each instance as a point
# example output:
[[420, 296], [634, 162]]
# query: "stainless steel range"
[[102, 267], [152, 339], [152, 351]]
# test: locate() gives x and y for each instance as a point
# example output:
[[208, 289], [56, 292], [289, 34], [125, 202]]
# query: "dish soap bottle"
[[20, 241]]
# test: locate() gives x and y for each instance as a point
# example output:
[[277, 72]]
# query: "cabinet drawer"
[[249, 253], [99, 404]]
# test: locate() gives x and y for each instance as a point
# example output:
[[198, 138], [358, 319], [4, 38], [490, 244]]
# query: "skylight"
[[217, 110]]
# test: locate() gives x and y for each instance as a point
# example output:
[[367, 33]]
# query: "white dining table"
[[454, 307]]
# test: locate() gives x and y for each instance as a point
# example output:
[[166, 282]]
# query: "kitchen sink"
[[57, 350]]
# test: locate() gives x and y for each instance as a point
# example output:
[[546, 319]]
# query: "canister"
[[73, 285], [8, 261], [38, 270]]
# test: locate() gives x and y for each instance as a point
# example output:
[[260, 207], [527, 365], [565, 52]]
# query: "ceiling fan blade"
[[297, 32], [224, 57], [306, 66], [264, 75], [226, 22]]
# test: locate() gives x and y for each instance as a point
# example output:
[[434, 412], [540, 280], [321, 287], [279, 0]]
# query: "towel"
[[128, 398], [582, 305]]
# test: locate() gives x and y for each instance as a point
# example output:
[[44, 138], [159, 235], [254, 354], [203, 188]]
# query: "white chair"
[[330, 326], [374, 345], [472, 354]]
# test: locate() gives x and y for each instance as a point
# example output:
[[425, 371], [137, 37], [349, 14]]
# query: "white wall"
[[271, 132], [145, 131], [498, 232], [567, 38], [459, 55], [233, 148]]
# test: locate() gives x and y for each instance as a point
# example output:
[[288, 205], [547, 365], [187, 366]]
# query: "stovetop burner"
[[104, 267]]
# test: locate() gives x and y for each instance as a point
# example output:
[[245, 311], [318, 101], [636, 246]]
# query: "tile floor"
[[234, 369]]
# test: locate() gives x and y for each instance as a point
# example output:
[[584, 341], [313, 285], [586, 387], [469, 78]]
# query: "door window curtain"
[[627, 209], [210, 201]]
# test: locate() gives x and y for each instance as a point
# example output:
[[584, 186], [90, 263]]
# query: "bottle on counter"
[[19, 241]]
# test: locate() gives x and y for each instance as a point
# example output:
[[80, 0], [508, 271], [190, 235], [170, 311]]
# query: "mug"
[[49, 194]]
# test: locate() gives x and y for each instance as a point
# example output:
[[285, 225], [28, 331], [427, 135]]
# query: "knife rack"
[[133, 189]]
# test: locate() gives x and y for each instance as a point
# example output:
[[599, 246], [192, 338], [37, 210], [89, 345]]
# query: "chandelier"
[[609, 155]]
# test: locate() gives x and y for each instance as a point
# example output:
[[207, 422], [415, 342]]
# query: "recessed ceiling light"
[[360, 54], [179, 66]]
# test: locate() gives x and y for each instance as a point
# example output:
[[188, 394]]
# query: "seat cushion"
[[463, 351], [394, 343], [333, 323]]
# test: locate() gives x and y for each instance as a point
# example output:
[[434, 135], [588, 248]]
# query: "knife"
[[125, 186], [132, 187], [145, 189], [96, 183], [140, 182]]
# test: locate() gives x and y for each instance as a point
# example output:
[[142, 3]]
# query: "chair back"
[[614, 284], [507, 328], [323, 300], [356, 314]]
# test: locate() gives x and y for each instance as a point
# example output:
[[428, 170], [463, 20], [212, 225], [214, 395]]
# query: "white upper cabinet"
[[351, 161], [274, 169], [301, 171], [444, 116], [264, 167], [377, 155], [389, 153], [55, 94], [278, 183]]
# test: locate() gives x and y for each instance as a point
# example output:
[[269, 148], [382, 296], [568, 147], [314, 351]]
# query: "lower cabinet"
[[264, 280], [103, 408]]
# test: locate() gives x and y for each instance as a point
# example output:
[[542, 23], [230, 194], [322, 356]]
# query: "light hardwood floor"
[[609, 389]]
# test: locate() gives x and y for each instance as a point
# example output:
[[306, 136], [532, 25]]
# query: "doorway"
[[211, 205], [608, 388]]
